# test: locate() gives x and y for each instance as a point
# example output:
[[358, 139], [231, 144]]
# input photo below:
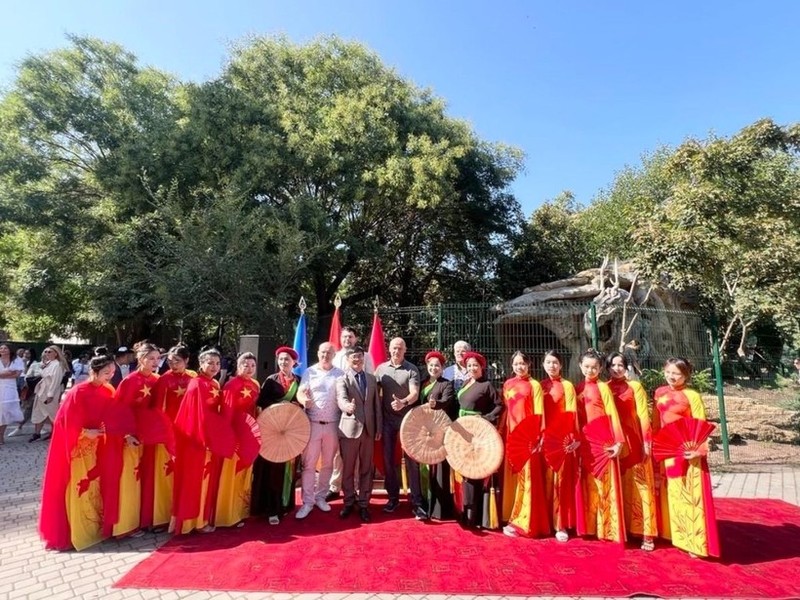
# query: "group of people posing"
[[177, 452]]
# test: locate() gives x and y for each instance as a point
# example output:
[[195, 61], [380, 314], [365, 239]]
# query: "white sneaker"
[[15, 432], [510, 531], [304, 511], [322, 505], [562, 536]]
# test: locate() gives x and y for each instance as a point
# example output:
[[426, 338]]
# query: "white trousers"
[[322, 446]]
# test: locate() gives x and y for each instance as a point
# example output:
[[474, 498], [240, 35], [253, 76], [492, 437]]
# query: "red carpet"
[[395, 554]]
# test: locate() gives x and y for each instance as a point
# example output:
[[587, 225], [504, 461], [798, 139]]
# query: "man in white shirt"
[[349, 339], [457, 372], [317, 394], [80, 368]]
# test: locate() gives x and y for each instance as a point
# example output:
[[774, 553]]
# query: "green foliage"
[[608, 224], [309, 169], [730, 228], [652, 379], [551, 245], [701, 381]]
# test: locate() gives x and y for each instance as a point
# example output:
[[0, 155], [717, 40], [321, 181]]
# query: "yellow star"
[[180, 390], [145, 391], [246, 392], [509, 393], [214, 392]]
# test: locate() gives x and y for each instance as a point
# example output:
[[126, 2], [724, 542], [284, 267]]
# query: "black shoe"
[[34, 437], [363, 513], [346, 512], [391, 506], [331, 496], [419, 513]]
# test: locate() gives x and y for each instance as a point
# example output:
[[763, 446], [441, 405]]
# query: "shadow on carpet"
[[396, 554]]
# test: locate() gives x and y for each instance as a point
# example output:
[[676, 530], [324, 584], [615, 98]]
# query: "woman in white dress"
[[11, 367], [47, 395]]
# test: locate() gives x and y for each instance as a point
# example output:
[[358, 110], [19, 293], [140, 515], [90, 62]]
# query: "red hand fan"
[[680, 436], [154, 427], [599, 436], [248, 436], [633, 453], [220, 437], [558, 434], [523, 442]]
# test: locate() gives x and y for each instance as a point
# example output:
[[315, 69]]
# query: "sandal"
[[648, 545]]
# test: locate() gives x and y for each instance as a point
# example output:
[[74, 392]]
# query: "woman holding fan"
[[477, 397], [638, 488], [524, 492], [274, 483], [239, 406], [81, 488], [687, 498], [438, 393], [203, 438], [561, 421], [604, 440], [137, 391]]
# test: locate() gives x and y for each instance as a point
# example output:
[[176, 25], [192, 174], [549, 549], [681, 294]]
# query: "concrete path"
[[28, 571]]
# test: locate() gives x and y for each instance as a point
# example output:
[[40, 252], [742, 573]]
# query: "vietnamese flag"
[[335, 336], [377, 343]]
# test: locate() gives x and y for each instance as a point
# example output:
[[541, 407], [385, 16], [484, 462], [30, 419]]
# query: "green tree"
[[551, 246], [408, 200], [608, 224], [730, 228], [79, 127], [135, 189]]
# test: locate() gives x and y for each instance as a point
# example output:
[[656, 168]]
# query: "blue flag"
[[301, 346]]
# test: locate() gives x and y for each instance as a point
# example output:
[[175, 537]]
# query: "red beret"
[[434, 354], [290, 351], [477, 356]]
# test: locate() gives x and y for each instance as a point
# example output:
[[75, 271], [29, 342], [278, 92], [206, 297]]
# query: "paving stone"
[[28, 571]]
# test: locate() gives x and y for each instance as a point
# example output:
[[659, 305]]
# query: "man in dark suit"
[[360, 425], [121, 366]]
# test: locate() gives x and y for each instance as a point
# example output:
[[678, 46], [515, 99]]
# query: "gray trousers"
[[357, 452]]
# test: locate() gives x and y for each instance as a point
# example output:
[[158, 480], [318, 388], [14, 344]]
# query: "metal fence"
[[760, 406]]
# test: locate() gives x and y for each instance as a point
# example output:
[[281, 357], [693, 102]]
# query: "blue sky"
[[583, 88]]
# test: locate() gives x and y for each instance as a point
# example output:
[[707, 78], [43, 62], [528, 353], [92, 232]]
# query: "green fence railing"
[[738, 391]]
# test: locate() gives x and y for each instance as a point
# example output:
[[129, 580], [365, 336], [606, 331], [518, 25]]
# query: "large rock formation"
[[557, 315]]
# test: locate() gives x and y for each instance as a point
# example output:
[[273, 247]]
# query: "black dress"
[[271, 479], [479, 398], [440, 497]]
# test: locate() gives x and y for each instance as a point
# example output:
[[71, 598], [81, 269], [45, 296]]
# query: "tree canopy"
[[142, 201]]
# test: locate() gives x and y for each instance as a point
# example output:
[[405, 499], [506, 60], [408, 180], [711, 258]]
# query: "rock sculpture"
[[557, 315]]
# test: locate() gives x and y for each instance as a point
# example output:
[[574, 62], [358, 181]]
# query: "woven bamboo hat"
[[422, 434], [474, 447], [285, 430]]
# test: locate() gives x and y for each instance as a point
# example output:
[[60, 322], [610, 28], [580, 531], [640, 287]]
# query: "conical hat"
[[474, 447], [422, 434], [285, 430]]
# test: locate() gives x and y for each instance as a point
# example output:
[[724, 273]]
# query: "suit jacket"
[[368, 411]]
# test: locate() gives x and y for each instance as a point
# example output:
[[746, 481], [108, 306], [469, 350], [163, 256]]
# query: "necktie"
[[362, 383]]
